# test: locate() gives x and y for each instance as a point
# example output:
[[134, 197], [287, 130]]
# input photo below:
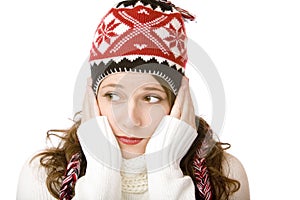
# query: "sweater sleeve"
[[170, 183], [32, 182], [165, 149], [103, 158]]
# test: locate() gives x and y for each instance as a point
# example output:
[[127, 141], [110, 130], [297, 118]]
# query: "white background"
[[255, 46]]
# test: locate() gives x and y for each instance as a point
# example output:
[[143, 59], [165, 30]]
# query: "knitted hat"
[[146, 36]]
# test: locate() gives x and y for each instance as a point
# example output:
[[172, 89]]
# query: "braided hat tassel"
[[71, 176], [202, 178]]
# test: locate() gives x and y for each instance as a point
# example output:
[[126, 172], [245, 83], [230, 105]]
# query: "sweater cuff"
[[169, 143], [170, 183], [98, 184], [99, 143], [103, 158]]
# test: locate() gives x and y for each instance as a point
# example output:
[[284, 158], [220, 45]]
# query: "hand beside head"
[[134, 105]]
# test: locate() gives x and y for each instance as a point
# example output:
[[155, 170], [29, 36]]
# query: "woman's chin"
[[129, 154]]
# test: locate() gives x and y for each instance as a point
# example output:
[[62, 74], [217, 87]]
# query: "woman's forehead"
[[129, 78]]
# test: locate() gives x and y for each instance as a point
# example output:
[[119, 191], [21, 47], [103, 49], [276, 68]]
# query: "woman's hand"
[[183, 108], [90, 108], [95, 134], [175, 133], [103, 158], [101, 151], [168, 145]]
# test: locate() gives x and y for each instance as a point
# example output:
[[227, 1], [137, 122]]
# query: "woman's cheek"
[[156, 113], [117, 116]]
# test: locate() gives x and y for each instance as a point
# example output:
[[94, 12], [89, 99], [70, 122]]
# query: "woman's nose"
[[135, 114]]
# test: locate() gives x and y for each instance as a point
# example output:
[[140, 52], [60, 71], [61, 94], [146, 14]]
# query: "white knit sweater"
[[139, 179], [32, 181]]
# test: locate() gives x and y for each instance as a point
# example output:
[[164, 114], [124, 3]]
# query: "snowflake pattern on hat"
[[140, 31]]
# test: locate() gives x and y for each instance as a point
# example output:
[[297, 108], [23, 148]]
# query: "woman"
[[138, 136]]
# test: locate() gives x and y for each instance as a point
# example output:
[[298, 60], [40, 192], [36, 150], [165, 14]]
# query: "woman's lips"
[[129, 140]]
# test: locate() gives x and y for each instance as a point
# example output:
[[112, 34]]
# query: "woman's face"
[[134, 104]]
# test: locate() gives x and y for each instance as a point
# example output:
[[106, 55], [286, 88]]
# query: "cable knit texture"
[[134, 178]]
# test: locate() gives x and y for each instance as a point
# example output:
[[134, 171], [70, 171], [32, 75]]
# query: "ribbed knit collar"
[[134, 175]]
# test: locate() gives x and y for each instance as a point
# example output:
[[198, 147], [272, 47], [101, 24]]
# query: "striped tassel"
[[202, 178], [71, 176]]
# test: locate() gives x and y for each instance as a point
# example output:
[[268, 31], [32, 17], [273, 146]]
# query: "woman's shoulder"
[[32, 171], [32, 181], [234, 169], [32, 167], [231, 161]]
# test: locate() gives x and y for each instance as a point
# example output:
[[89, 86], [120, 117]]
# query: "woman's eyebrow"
[[113, 85], [154, 88]]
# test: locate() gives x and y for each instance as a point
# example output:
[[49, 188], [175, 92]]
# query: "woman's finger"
[[92, 98], [90, 107], [177, 106], [188, 112]]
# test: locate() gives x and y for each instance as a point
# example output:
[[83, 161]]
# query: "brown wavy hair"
[[55, 161]]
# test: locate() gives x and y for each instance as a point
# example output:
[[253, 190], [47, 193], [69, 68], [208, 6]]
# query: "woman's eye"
[[112, 96], [152, 99]]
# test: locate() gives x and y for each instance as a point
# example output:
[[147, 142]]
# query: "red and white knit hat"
[[146, 36]]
